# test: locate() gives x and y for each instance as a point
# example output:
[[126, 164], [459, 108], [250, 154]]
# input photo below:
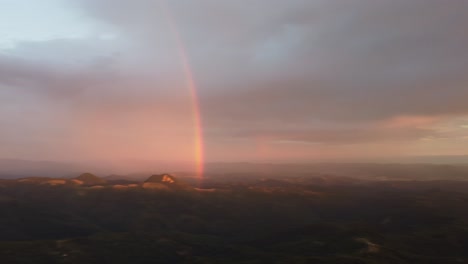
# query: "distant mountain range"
[[91, 181], [13, 168], [18, 168]]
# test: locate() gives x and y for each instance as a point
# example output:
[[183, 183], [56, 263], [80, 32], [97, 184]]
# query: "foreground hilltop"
[[164, 182], [161, 178]]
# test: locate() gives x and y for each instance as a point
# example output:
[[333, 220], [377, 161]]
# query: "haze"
[[276, 81]]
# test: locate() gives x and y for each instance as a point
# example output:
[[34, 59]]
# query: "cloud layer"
[[276, 80]]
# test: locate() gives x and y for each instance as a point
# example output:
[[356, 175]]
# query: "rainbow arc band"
[[192, 87]]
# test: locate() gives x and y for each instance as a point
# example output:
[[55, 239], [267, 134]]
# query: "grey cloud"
[[370, 60], [20, 75], [57, 69], [338, 136], [342, 60]]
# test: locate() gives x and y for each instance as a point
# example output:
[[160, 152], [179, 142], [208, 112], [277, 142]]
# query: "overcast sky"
[[276, 80]]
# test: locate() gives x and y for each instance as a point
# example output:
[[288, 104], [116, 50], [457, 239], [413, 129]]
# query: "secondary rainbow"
[[192, 87]]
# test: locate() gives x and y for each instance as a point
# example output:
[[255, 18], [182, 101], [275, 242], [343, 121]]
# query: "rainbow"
[[192, 87]]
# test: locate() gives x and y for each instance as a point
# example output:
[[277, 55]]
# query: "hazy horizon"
[[16, 168]]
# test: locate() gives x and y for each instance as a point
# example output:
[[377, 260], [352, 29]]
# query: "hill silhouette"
[[163, 182], [90, 179], [161, 178]]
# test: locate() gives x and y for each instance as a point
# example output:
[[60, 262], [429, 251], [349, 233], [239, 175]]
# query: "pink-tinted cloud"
[[310, 78]]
